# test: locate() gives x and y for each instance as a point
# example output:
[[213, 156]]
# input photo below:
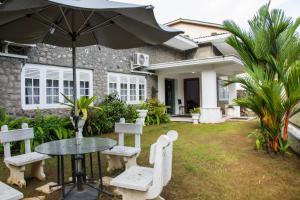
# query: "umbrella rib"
[[65, 18], [57, 21], [100, 25], [86, 20], [50, 22]]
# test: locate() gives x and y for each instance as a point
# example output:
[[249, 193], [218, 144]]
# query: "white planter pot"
[[142, 115], [195, 118], [230, 112], [81, 123]]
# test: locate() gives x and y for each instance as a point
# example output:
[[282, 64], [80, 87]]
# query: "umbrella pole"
[[76, 114]]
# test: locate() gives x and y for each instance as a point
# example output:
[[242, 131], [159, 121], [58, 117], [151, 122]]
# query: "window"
[[142, 90], [68, 86], [123, 90], [112, 84], [130, 88], [42, 85], [32, 86], [84, 85], [132, 92], [223, 91], [32, 91], [52, 87]]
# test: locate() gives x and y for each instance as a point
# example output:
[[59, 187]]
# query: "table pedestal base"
[[88, 193]]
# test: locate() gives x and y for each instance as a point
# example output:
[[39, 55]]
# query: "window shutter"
[[112, 79], [32, 73], [132, 80], [52, 74], [84, 76], [123, 79], [68, 76]]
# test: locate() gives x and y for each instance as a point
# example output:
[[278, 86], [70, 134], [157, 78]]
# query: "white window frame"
[[42, 77], [220, 88], [130, 77]]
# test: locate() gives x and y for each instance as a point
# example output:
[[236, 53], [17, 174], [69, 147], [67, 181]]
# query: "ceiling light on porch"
[[193, 72]]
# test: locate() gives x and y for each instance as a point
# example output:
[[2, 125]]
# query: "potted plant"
[[83, 104], [142, 112], [195, 112]]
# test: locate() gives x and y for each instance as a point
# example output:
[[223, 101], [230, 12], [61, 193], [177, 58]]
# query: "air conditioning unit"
[[140, 60]]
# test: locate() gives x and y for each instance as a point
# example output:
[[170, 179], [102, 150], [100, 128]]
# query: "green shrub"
[[156, 112], [112, 109], [46, 128]]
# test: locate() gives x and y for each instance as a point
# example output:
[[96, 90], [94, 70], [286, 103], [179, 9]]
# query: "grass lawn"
[[212, 162]]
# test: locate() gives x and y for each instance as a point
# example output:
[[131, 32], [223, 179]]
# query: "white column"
[[232, 95], [161, 88], [210, 112]]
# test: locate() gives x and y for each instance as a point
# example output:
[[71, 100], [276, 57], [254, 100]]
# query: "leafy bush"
[[195, 111], [46, 128], [156, 112], [112, 109]]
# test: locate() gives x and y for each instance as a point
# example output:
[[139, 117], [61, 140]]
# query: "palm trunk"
[[287, 116], [275, 145]]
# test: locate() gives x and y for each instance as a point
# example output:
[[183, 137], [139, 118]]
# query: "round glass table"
[[77, 148]]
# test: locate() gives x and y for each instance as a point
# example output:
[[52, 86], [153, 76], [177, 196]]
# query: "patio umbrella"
[[78, 23]]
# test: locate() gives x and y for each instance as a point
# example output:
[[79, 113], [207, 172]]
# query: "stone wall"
[[101, 61], [10, 84]]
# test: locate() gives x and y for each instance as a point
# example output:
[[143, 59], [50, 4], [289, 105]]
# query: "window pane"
[[66, 91], [87, 92], [49, 91], [55, 83], [49, 83], [66, 83], [55, 99], [71, 83], [36, 82], [81, 84], [28, 82], [28, 91], [87, 84], [28, 100], [49, 99], [55, 91], [36, 100], [81, 92], [36, 91]]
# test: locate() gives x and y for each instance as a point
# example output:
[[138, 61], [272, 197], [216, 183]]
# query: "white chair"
[[129, 154], [139, 183], [16, 164], [9, 193]]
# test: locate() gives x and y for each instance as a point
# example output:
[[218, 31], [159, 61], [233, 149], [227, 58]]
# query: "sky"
[[215, 11]]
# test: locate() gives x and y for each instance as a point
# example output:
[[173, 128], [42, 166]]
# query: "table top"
[[75, 146]]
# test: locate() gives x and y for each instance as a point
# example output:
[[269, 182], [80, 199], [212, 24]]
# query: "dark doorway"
[[170, 95], [191, 94]]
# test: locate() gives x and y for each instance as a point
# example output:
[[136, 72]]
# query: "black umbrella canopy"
[[81, 23], [77, 23]]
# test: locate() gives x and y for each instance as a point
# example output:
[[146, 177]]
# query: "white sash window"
[[42, 85], [130, 88]]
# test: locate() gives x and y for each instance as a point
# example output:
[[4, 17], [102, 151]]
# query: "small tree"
[[270, 52]]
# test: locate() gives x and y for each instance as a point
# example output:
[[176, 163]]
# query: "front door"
[[191, 94], [170, 95]]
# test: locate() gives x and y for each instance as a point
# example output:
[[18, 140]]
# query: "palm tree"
[[270, 52]]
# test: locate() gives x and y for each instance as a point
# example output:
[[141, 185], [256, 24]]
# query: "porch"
[[184, 85]]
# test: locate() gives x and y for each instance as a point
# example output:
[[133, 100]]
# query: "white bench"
[[16, 164], [129, 154], [9, 193], [139, 183]]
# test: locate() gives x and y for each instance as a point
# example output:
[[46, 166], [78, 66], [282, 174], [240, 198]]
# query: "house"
[[184, 72]]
